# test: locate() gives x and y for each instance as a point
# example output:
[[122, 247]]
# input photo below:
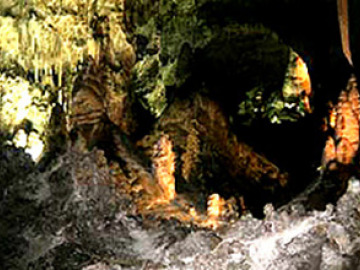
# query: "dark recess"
[[311, 29]]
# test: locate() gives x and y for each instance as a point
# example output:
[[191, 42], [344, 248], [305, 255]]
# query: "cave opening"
[[227, 120], [295, 147]]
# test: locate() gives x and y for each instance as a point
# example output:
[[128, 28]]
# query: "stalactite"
[[344, 28]]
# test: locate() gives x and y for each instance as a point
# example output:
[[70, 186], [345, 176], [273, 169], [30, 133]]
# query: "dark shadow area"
[[231, 65]]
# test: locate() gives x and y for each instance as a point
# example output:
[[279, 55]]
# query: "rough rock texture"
[[66, 213], [69, 217]]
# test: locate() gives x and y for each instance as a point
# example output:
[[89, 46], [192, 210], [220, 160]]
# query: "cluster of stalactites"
[[343, 144]]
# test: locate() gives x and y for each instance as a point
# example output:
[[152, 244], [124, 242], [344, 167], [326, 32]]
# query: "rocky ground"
[[50, 220]]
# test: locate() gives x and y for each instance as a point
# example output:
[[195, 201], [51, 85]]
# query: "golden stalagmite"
[[215, 205], [164, 164], [344, 120], [219, 211]]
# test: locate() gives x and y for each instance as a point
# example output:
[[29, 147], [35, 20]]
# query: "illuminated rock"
[[344, 120]]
